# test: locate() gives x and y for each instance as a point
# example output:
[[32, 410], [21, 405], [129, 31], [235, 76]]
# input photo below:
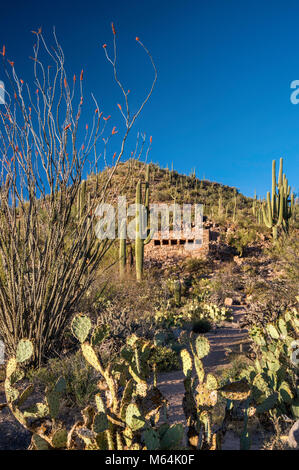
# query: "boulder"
[[294, 436], [228, 301]]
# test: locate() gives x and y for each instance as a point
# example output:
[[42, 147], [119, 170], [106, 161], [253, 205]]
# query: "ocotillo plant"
[[140, 229], [277, 211], [57, 253], [81, 200]]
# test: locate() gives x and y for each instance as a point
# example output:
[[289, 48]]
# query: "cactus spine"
[[276, 211], [140, 229]]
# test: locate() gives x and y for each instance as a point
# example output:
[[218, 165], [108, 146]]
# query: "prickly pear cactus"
[[273, 376], [32, 417], [125, 418], [24, 350], [201, 396], [81, 326]]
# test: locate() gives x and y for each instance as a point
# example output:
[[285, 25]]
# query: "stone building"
[[171, 246]]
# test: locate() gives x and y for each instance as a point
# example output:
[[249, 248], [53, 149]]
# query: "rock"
[[228, 301], [294, 436], [238, 260]]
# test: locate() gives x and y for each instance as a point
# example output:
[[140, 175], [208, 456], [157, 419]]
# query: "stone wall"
[[171, 247]]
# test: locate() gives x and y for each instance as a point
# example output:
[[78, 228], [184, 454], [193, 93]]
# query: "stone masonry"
[[161, 247]]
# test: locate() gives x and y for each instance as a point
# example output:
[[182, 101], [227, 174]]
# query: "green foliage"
[[274, 373], [81, 379], [168, 317], [165, 359], [198, 310], [216, 314], [240, 239]]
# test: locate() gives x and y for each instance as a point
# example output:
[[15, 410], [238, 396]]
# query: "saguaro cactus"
[[235, 205], [122, 249], [254, 204], [220, 202], [277, 211], [122, 256], [140, 229]]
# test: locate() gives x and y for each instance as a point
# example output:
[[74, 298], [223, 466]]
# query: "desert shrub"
[[165, 359], [196, 266], [122, 322], [284, 254], [216, 314], [225, 283], [81, 379], [240, 239], [201, 289], [170, 317], [163, 195], [196, 309], [270, 299], [235, 371]]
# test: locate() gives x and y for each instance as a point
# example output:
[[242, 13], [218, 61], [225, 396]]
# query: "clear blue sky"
[[222, 100]]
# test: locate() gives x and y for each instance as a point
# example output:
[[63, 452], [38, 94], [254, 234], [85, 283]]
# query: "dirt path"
[[229, 338]]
